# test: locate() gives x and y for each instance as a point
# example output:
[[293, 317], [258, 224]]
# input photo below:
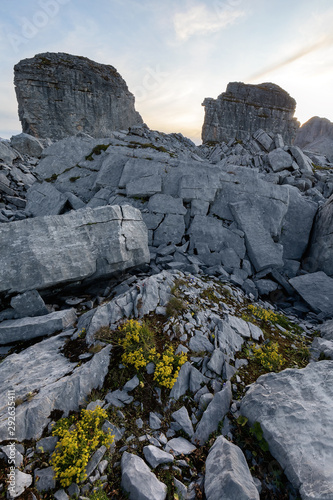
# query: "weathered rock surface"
[[27, 145], [88, 243], [320, 254], [316, 135], [227, 473], [44, 380], [317, 290], [295, 411], [138, 480], [244, 108], [41, 326], [60, 95]]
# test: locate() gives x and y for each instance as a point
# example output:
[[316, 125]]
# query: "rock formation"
[[87, 243], [316, 135], [243, 109], [60, 95]]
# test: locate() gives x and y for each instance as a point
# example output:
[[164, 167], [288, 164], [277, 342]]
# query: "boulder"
[[29, 304], [320, 254], [27, 145], [317, 291], [262, 249], [297, 224], [243, 109], [17, 330], [227, 473], [88, 243], [295, 411], [138, 481], [279, 160], [215, 412], [7, 155], [61, 94], [44, 199]]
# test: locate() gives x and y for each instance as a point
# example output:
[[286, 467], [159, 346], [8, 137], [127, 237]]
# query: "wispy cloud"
[[322, 43], [201, 20]]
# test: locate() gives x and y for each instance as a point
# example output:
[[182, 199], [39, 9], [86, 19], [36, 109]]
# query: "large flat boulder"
[[87, 243], [60, 95], [295, 411], [317, 290]]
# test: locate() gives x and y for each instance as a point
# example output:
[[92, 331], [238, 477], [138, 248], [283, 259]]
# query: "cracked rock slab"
[[58, 249], [295, 411]]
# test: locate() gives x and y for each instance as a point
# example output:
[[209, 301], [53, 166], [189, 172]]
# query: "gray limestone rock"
[[180, 446], [302, 160], [95, 460], [216, 362], [138, 481], [227, 473], [297, 224], [29, 304], [322, 347], [244, 108], [181, 416], [214, 413], [45, 479], [44, 380], [44, 199], [47, 444], [27, 145], [60, 95], [21, 482], [7, 154], [317, 291], [279, 159], [61, 495], [88, 243], [295, 411], [320, 254], [199, 343], [262, 249], [14, 330], [166, 204], [183, 381], [155, 456], [171, 230]]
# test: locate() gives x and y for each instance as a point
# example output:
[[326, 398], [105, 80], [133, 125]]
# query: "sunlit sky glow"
[[174, 53]]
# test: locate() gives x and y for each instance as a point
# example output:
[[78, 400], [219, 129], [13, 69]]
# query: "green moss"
[[73, 179], [97, 151], [53, 178]]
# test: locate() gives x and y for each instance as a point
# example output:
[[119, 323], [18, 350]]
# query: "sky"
[[174, 53]]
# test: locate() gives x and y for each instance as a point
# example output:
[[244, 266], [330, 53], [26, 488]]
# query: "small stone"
[[155, 456], [154, 421]]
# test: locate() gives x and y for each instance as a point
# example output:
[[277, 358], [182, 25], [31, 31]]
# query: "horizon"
[[174, 55]]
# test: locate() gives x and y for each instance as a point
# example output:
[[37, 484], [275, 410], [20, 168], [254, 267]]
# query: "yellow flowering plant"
[[268, 356], [78, 439], [167, 369], [263, 314], [139, 348]]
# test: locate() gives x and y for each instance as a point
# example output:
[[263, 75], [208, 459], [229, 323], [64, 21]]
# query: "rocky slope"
[[170, 285], [60, 95], [243, 109], [316, 135]]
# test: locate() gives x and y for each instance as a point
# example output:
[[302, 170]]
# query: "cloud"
[[324, 42], [199, 20]]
